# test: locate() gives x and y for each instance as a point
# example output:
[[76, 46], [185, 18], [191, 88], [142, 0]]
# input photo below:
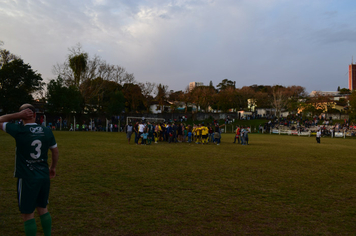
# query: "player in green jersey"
[[32, 144]]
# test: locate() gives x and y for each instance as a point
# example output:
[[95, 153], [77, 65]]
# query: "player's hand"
[[52, 173], [26, 114]]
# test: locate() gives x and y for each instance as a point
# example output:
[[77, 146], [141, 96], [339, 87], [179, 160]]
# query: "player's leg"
[[26, 193], [46, 220], [29, 224], [42, 201]]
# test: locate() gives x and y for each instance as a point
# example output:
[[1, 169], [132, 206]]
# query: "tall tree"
[[203, 96], [6, 56], [225, 83], [78, 64], [133, 96], [79, 68], [280, 99], [295, 95], [17, 84], [147, 92], [63, 99], [98, 94], [161, 94], [186, 98], [228, 99]]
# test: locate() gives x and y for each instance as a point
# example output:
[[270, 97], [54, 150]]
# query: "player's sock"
[[46, 222], [30, 227]]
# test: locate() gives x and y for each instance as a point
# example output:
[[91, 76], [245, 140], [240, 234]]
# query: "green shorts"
[[32, 193]]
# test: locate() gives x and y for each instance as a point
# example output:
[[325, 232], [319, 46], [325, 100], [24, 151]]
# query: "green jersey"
[[150, 128], [32, 144]]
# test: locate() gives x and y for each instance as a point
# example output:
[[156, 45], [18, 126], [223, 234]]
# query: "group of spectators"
[[327, 127]]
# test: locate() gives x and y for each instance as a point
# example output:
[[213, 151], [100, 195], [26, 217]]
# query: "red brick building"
[[352, 77]]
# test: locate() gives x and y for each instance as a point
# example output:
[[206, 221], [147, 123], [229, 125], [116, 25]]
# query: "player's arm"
[[52, 168], [24, 114]]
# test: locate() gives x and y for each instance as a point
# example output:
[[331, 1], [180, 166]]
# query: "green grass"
[[278, 185]]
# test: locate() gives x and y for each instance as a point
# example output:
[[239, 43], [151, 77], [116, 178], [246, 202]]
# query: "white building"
[[192, 85]]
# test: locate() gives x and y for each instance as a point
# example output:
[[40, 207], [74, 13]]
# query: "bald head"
[[28, 117], [29, 106]]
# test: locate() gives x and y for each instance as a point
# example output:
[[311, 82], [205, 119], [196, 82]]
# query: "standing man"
[[129, 129], [318, 136], [31, 168], [237, 135], [136, 133]]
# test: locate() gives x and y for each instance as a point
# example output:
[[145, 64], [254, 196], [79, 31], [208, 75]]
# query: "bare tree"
[[147, 92], [95, 67], [280, 99]]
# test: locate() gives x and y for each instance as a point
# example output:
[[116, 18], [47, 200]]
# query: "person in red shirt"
[[237, 134]]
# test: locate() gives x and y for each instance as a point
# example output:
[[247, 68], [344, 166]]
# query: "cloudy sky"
[[266, 42]]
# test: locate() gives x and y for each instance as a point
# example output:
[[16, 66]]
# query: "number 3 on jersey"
[[38, 145]]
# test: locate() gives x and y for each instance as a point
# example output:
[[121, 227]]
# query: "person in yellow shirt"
[[204, 134], [157, 132], [199, 134], [194, 133]]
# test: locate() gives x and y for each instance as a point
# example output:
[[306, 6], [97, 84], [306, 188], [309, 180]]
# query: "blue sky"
[[267, 42]]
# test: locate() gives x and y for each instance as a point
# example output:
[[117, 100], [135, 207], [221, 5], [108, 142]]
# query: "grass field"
[[278, 185]]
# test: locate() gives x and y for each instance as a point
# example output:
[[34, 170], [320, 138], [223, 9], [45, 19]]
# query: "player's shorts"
[[32, 193], [204, 136], [128, 135]]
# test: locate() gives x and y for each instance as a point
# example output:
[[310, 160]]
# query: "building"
[[315, 93], [352, 77], [192, 85]]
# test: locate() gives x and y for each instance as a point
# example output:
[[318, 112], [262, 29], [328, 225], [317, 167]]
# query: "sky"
[[309, 43]]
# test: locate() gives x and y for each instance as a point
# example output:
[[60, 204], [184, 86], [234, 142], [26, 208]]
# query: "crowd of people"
[[326, 126], [147, 133]]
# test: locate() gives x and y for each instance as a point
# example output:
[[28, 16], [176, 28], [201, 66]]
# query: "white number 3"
[[38, 145]]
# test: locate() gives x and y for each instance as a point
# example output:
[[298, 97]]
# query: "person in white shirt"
[[318, 136]]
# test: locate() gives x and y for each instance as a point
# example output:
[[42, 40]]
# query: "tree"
[[228, 99], [80, 68], [280, 99], [78, 64], [344, 91], [98, 94], [186, 98], [161, 94], [203, 96], [224, 84], [295, 94], [133, 96], [6, 57], [147, 90], [245, 94], [17, 84], [63, 99], [352, 102], [316, 104], [116, 103]]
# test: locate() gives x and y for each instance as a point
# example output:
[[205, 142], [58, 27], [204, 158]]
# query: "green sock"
[[46, 222], [30, 227]]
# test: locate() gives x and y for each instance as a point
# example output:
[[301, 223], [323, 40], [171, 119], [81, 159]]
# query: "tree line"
[[90, 85]]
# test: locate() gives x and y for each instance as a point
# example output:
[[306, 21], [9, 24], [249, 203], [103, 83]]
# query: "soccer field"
[[277, 185]]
